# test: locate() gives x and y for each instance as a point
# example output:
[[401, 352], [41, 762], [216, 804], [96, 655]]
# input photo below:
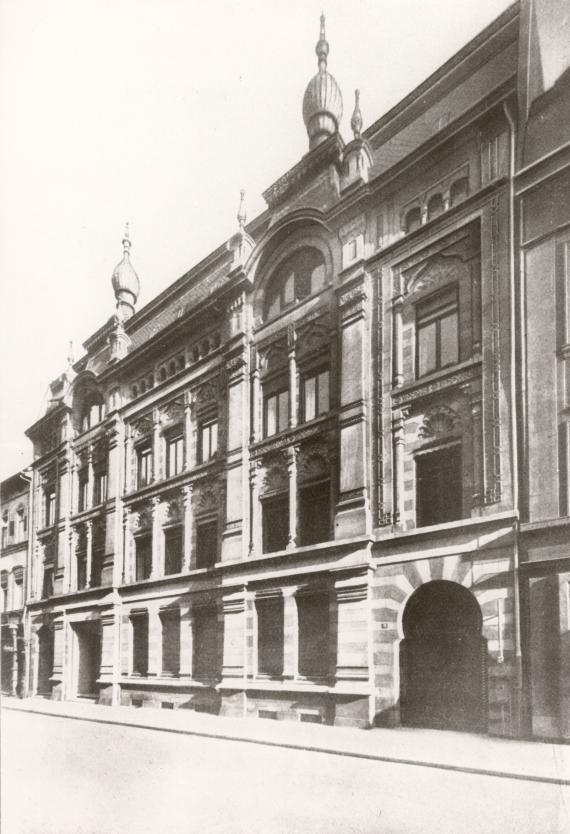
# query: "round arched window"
[[301, 275]]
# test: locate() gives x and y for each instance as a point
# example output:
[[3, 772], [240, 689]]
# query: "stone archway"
[[443, 660]]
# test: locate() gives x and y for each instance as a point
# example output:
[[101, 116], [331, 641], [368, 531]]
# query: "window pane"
[[318, 278], [271, 415], [324, 398], [449, 342], [213, 438], [310, 398], [426, 349], [283, 410], [289, 289], [274, 305]]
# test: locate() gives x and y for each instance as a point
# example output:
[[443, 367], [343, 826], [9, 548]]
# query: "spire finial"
[[356, 121], [322, 48], [242, 214], [70, 354], [126, 239]]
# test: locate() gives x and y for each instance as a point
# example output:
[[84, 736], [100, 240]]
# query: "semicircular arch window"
[[301, 275]]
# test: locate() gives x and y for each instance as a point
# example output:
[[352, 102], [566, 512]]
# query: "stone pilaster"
[[292, 360], [89, 568], [188, 438], [292, 455], [188, 519], [398, 441], [156, 446], [255, 398], [255, 538], [157, 539]]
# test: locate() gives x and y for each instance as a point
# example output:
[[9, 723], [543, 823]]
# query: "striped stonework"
[[489, 578]]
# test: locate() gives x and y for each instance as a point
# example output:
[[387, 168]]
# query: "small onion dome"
[[126, 284], [322, 102]]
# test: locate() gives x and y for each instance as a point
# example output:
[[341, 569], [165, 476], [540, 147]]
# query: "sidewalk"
[[534, 761]]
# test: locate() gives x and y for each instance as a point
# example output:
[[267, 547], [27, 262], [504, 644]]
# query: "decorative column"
[[473, 392], [290, 634], [14, 666], [71, 572], [292, 455], [156, 468], [255, 397], [188, 461], [398, 424], [90, 477], [291, 338], [157, 539], [255, 537], [398, 374], [128, 444], [89, 536], [187, 509], [127, 546]]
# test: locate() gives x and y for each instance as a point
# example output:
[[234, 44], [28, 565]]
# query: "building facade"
[[14, 509], [320, 477]]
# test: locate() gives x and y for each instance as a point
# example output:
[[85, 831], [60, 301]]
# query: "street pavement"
[[63, 776]]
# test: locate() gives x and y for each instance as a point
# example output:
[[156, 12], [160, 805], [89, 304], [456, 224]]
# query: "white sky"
[[158, 112]]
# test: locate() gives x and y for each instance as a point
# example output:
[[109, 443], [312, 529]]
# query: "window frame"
[[205, 425], [314, 373], [201, 524], [267, 503], [292, 267], [144, 455], [444, 310], [174, 439], [426, 457], [275, 392]]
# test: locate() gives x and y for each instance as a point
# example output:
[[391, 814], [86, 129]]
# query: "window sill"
[[443, 378]]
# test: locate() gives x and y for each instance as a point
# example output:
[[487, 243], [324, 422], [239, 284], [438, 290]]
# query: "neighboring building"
[[14, 510], [294, 484]]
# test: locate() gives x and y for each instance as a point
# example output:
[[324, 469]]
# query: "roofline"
[[468, 50]]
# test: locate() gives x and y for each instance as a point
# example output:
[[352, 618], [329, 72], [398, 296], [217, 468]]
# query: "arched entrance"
[[443, 660]]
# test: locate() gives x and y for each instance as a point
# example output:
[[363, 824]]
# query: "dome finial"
[[322, 102], [126, 239], [125, 281], [242, 214], [356, 121], [322, 48]]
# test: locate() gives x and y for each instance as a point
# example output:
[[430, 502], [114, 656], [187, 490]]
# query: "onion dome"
[[322, 102], [126, 284]]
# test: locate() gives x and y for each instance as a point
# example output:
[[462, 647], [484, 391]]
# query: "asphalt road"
[[63, 776]]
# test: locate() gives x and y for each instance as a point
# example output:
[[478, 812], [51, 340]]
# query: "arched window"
[[413, 219], [459, 191], [301, 275], [162, 374], [93, 411], [171, 367], [435, 206]]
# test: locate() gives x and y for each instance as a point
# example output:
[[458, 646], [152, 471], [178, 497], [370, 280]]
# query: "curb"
[[500, 774]]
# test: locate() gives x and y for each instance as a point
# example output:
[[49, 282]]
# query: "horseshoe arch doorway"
[[443, 660]]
